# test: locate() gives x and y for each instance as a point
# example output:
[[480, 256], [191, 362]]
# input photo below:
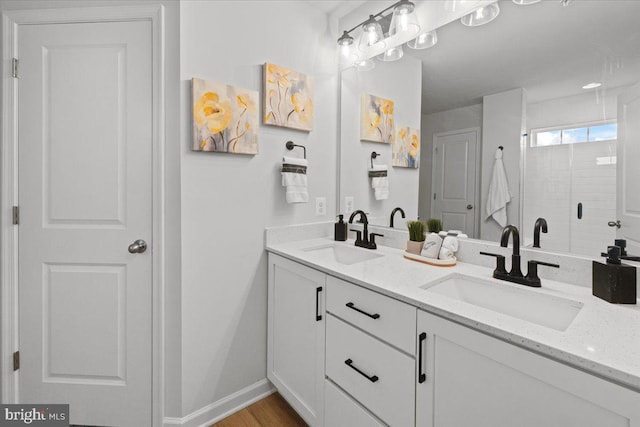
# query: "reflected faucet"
[[393, 213], [515, 257], [540, 223]]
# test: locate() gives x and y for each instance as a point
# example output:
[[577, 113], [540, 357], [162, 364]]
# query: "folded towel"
[[499, 194], [449, 248], [456, 233], [294, 178], [294, 161], [379, 181], [432, 245]]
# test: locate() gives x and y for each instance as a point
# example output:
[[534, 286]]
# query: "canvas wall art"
[[406, 148], [225, 118], [287, 98], [376, 119]]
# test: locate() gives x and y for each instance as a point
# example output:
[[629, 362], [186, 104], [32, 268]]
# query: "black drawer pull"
[[352, 307], [372, 378], [318, 316], [422, 377]]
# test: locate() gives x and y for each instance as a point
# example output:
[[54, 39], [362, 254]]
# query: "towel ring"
[[373, 156], [290, 146]]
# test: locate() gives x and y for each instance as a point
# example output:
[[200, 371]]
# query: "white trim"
[[8, 174], [476, 202], [224, 407]]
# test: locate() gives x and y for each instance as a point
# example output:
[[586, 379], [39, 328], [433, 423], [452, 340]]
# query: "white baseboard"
[[224, 407]]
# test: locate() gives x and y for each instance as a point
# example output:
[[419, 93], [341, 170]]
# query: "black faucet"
[[515, 275], [393, 213], [515, 257], [540, 223], [362, 238]]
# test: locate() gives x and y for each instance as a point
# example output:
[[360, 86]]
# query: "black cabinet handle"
[[580, 210], [372, 378], [422, 377], [353, 307], [318, 316]]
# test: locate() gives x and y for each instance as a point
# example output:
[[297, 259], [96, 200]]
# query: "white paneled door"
[[628, 153], [85, 195], [455, 180]]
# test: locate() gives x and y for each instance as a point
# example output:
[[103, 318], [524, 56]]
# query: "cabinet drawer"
[[342, 411], [378, 376], [390, 320]]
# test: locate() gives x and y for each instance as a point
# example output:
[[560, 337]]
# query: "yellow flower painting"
[[225, 118], [406, 148], [287, 98], [376, 119]]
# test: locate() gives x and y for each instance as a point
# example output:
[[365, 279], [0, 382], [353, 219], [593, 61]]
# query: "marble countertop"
[[603, 339]]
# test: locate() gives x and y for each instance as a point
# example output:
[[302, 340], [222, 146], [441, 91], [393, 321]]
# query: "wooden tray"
[[431, 261]]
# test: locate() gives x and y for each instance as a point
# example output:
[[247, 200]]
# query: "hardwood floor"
[[272, 411]]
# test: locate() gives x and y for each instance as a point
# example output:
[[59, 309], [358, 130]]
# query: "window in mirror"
[[572, 135]]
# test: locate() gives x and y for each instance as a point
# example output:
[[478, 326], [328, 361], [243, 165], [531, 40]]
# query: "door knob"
[[469, 207], [138, 247], [614, 224]]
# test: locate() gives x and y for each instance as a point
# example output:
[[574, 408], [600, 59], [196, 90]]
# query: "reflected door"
[[628, 172], [85, 183], [454, 181]]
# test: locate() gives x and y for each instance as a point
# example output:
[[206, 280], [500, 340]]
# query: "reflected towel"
[[499, 194], [380, 184]]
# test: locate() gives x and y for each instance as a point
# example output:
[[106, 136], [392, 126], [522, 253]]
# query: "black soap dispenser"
[[340, 232], [614, 282]]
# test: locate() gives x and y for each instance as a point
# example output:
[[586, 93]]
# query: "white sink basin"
[[343, 254], [544, 310]]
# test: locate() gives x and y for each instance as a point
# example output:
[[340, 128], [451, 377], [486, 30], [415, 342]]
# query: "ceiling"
[[548, 49]]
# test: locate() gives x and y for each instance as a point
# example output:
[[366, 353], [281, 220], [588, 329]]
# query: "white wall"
[[399, 81], [228, 200], [432, 124], [502, 124]]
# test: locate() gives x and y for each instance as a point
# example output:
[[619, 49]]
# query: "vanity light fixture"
[[347, 53], [424, 40], [371, 34], [392, 54], [404, 19], [592, 85], [365, 65], [401, 22], [482, 15], [526, 2]]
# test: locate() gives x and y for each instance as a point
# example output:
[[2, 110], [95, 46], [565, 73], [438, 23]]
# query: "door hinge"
[[16, 215], [14, 67], [16, 360]]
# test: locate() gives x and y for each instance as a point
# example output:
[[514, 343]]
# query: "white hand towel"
[[294, 161], [449, 248], [499, 194], [432, 245], [295, 183], [380, 184]]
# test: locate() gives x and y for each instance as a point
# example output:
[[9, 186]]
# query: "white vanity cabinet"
[[473, 379], [296, 336]]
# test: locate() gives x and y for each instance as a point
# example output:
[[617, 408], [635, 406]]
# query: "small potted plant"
[[434, 225], [416, 237]]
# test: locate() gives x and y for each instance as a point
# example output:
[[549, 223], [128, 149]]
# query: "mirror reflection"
[[543, 82]]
